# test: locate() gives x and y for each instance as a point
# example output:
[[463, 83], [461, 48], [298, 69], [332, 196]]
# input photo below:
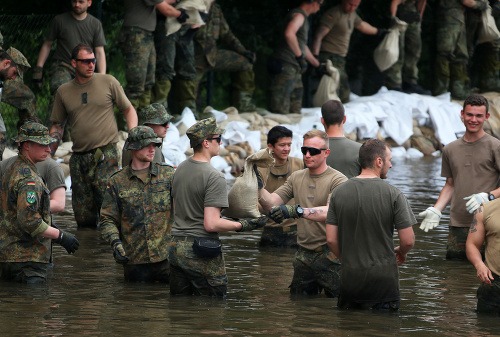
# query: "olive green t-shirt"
[[344, 156], [140, 13], [491, 222], [341, 26]]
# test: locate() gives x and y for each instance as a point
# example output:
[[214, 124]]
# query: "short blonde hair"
[[318, 133]]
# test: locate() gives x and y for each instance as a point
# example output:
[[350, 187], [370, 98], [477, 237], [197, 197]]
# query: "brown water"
[[86, 294]]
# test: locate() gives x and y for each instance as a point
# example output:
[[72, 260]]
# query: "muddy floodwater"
[[86, 295]]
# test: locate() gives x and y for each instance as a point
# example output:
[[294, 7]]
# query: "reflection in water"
[[86, 294]]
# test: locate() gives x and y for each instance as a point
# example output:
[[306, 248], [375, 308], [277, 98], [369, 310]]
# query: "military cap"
[[140, 137], [202, 129], [34, 132], [154, 114], [18, 57]]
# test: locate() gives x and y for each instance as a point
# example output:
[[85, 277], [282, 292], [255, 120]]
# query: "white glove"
[[475, 201], [431, 218]]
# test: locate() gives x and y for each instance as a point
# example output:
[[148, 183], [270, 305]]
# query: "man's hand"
[[38, 77], [484, 274], [118, 252], [431, 218], [301, 60], [321, 70], [68, 241], [251, 224], [381, 32], [282, 212], [183, 16], [475, 201], [480, 5]]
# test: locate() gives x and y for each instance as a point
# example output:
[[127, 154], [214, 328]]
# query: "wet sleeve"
[[109, 221], [29, 203]]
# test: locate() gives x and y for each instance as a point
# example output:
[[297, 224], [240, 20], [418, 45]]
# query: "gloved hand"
[[38, 77], [393, 22], [302, 62], [68, 241], [321, 70], [260, 182], [251, 224], [118, 252], [431, 218], [381, 32], [183, 16], [250, 55], [480, 5], [203, 16], [409, 17], [475, 201], [282, 212]]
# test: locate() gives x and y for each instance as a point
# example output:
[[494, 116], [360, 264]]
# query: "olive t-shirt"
[[196, 185], [141, 13], [310, 191], [341, 26], [491, 222], [344, 156]]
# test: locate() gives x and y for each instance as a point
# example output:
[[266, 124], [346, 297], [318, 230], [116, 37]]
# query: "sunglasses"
[[312, 150], [86, 61], [217, 139]]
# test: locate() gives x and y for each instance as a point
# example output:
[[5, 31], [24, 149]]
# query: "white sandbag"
[[328, 85], [244, 195], [193, 9], [387, 52], [488, 30]]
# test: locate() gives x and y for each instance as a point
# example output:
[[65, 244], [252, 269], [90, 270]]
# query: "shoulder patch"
[[30, 197], [25, 171]]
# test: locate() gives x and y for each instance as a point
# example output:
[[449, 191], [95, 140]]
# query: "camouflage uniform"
[[25, 214], [137, 213], [233, 59]]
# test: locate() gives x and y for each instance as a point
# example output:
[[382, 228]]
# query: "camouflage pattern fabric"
[[18, 58], [193, 275], [34, 132], [338, 62], [315, 271], [60, 73], [140, 137], [148, 272], [20, 96], [139, 213], [279, 236], [25, 214], [286, 90], [203, 129], [455, 247], [154, 114], [139, 52], [488, 297], [90, 172], [24, 272]]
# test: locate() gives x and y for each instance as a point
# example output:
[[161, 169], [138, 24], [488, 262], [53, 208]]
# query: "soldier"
[[87, 104], [199, 193], [216, 48], [136, 211], [157, 118], [25, 230]]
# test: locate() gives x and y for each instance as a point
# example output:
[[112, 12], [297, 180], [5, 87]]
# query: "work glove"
[[475, 201], [250, 55], [431, 218], [409, 17], [260, 182], [301, 60], [393, 22], [321, 70], [68, 241], [37, 77], [282, 212], [251, 224], [381, 32], [183, 16], [118, 252], [203, 16]]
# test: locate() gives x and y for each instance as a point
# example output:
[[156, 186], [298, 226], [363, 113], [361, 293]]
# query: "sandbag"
[[328, 85], [244, 195], [488, 30], [387, 52], [193, 9]]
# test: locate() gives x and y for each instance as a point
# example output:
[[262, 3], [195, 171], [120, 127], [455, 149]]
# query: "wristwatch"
[[491, 197], [300, 211]]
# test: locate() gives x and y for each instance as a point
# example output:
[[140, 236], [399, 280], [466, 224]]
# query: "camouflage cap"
[[18, 57], [202, 129], [34, 132], [154, 114], [140, 137]]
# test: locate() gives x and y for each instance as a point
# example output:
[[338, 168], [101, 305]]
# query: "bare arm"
[[421, 7], [291, 33], [475, 241], [365, 28], [44, 53], [57, 200], [213, 222], [269, 200], [394, 7], [167, 9], [320, 34], [470, 3], [311, 59], [445, 195], [332, 239], [316, 213], [406, 242], [56, 131], [130, 116], [51, 233], [101, 59]]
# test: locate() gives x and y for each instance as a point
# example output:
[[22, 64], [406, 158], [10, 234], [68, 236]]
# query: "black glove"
[[37, 77], [409, 17], [495, 9], [260, 182], [381, 32], [68, 241], [118, 252], [282, 212], [183, 17], [250, 55], [393, 22], [204, 16], [480, 5], [301, 60], [321, 70], [251, 224]]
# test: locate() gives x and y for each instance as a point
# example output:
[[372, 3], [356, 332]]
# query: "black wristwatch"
[[300, 211], [491, 197]]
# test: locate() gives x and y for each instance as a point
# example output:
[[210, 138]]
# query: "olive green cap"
[[154, 114], [18, 57], [202, 129], [34, 132], [140, 137]]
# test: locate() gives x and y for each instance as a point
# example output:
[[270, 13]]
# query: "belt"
[[183, 238], [315, 250]]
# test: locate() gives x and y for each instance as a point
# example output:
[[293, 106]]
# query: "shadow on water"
[[86, 294]]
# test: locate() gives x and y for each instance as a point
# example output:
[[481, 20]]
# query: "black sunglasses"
[[217, 139], [312, 150], [87, 61]]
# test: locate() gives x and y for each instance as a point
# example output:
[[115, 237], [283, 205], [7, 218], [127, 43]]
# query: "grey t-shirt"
[[344, 156]]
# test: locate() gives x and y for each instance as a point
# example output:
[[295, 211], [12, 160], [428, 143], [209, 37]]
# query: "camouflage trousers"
[[140, 57], [147, 272], [89, 176], [193, 275], [488, 297], [338, 62], [24, 272], [60, 73], [279, 236], [20, 96], [455, 247], [286, 90], [405, 69], [314, 271]]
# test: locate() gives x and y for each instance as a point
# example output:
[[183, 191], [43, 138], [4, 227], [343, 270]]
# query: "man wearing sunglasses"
[[315, 267], [157, 118], [87, 104]]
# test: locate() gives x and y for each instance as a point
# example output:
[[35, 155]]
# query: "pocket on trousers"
[[207, 247]]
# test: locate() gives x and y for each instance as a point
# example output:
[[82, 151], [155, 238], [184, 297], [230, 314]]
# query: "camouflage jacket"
[[216, 32], [139, 213], [25, 214]]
